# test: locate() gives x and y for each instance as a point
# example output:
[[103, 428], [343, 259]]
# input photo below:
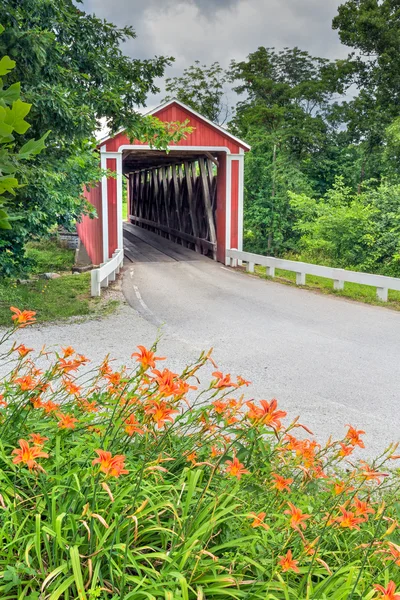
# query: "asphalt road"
[[329, 360]]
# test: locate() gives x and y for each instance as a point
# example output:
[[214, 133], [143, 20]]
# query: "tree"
[[349, 229], [372, 29], [283, 115], [74, 75], [202, 88], [12, 122]]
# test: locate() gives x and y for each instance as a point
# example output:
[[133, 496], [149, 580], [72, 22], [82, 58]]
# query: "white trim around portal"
[[241, 202], [104, 205], [120, 231], [228, 201]]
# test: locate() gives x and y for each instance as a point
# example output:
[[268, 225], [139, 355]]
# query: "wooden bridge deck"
[[141, 245]]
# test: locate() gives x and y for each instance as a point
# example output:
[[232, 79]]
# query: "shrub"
[[356, 231], [128, 483]]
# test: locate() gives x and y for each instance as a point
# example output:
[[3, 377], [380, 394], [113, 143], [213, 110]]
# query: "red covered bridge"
[[192, 194]]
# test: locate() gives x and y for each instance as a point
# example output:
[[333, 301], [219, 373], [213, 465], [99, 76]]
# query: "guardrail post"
[[270, 271], [94, 283], [300, 279], [250, 267], [382, 294], [338, 284]]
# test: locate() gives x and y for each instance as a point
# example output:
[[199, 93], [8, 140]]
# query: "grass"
[[50, 256], [52, 299], [352, 291]]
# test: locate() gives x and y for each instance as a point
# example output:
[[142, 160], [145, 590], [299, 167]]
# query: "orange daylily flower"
[[66, 421], [266, 413], [82, 359], [90, 407], [112, 466], [341, 486], [131, 426], [353, 436], [223, 381], [71, 387], [67, 366], [235, 468], [50, 406], [348, 519], [297, 517], [37, 402], [281, 483], [304, 448], [68, 351], [161, 412], [146, 358], [395, 553], [192, 457], [2, 401], [371, 475], [23, 350], [288, 564], [169, 383], [242, 381], [22, 318], [26, 383], [345, 450], [219, 406], [28, 454], [388, 593], [215, 452], [258, 520], [361, 508], [38, 439]]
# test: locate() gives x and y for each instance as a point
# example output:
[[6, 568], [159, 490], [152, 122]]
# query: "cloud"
[[219, 30]]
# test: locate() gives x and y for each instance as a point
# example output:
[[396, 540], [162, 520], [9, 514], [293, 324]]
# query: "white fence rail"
[[106, 272], [339, 276]]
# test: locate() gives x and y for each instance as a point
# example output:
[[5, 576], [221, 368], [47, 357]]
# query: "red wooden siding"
[[90, 230], [203, 134]]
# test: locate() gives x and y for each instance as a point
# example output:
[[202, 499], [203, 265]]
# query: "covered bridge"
[[191, 195]]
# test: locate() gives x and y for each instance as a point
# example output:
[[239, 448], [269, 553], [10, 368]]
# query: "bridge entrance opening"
[[174, 195]]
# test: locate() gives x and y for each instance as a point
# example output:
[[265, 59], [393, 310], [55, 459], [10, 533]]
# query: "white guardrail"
[[339, 276], [106, 272]]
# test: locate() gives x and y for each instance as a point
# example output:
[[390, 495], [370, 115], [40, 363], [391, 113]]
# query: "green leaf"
[[7, 184], [6, 65], [12, 93], [32, 147], [15, 116]]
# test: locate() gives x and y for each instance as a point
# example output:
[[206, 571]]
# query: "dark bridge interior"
[[174, 195]]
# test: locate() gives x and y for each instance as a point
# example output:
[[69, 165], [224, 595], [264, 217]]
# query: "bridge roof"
[[205, 134]]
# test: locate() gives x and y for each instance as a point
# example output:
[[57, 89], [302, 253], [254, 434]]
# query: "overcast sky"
[[210, 30]]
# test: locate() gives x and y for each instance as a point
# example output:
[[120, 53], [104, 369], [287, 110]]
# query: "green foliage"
[[139, 489], [270, 174], [12, 121], [74, 75], [344, 229], [202, 88]]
